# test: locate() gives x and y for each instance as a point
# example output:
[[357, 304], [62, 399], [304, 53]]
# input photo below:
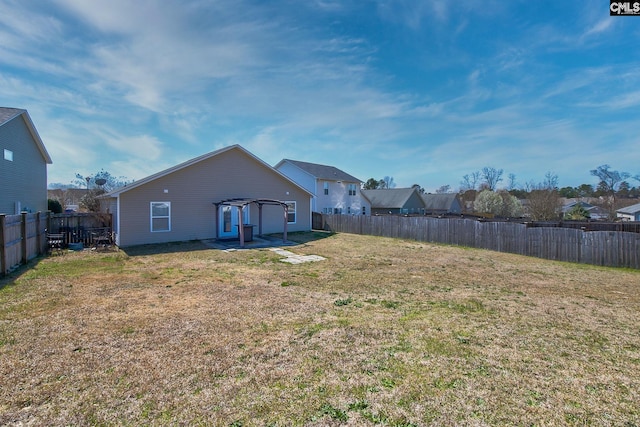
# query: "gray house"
[[208, 197], [395, 201], [439, 204], [334, 191], [23, 170], [630, 213], [595, 212]]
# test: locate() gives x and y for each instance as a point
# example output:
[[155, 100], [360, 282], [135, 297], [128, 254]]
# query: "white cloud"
[[600, 27]]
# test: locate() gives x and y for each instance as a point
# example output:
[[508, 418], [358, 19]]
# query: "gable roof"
[[391, 198], [633, 209], [439, 202], [191, 162], [324, 172], [8, 114], [586, 206]]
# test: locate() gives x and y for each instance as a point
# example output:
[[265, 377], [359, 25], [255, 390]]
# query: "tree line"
[[543, 199], [96, 184]]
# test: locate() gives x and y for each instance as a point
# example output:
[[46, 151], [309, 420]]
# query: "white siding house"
[[630, 213], [334, 191]]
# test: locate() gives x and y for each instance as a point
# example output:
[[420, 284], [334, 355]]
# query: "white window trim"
[[295, 212], [8, 155], [152, 217]]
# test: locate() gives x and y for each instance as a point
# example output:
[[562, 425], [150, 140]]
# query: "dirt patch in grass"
[[382, 332]]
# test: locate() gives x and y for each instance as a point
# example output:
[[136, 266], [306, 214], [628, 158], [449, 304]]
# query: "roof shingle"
[[324, 172]]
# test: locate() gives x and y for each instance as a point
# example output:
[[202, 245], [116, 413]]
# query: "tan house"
[[23, 164], [206, 198]]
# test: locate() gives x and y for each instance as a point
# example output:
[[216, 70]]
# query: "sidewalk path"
[[292, 258]]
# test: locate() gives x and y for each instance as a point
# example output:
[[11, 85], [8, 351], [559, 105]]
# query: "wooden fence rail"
[[22, 238], [80, 227], [605, 248]]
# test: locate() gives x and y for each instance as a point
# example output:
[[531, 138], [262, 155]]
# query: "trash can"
[[248, 232]]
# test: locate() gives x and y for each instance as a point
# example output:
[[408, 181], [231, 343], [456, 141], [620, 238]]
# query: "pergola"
[[241, 203]]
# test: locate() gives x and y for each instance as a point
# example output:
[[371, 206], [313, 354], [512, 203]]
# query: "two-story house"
[[334, 191], [23, 164]]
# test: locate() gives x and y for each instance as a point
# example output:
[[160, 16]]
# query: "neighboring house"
[[630, 213], [439, 204], [595, 212], [395, 201], [202, 199], [334, 191], [23, 165]]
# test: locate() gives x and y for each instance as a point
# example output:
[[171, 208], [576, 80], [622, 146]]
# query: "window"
[[8, 155], [327, 211], [352, 189], [337, 211], [160, 216], [291, 212], [326, 188], [364, 210]]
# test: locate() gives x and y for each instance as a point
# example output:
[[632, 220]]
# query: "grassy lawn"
[[383, 332]]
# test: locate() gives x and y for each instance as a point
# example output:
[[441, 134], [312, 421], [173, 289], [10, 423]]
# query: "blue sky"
[[423, 91]]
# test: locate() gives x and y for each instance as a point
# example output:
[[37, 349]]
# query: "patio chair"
[[55, 243]]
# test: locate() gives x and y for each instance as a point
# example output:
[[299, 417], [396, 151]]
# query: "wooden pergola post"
[[240, 226], [217, 224], [241, 204], [286, 220]]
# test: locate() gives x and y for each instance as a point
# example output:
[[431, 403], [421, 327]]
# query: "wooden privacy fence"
[[80, 227], [606, 248], [22, 238]]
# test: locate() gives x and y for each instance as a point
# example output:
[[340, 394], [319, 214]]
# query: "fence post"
[[3, 249], [23, 234], [38, 235]]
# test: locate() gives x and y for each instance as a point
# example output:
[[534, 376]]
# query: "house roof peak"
[[321, 171]]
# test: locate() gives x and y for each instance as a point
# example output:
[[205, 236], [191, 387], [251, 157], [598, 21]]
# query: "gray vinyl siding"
[[192, 191], [299, 176], [24, 179]]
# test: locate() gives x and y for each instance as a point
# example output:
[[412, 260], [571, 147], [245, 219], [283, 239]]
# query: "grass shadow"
[[299, 237], [10, 278], [302, 237], [165, 248]]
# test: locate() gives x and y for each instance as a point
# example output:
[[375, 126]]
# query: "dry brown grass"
[[383, 332]]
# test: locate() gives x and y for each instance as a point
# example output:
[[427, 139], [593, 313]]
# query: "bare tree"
[[512, 182], [609, 181], [387, 182], [550, 181], [470, 181], [491, 177], [443, 189]]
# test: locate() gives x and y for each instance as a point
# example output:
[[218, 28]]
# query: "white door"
[[229, 221]]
